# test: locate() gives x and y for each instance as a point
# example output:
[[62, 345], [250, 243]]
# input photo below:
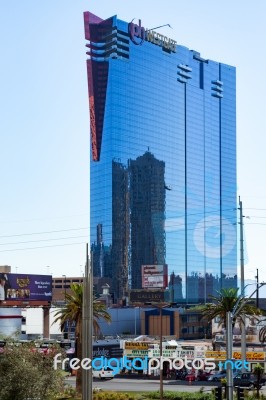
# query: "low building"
[[178, 322]]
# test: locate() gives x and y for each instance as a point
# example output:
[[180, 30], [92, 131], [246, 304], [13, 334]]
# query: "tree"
[[72, 312], [258, 372], [226, 300], [26, 373]]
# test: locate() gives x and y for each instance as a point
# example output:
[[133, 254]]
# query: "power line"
[[42, 240], [18, 221], [254, 223], [72, 237], [43, 233], [108, 226], [255, 216], [42, 247], [258, 209]]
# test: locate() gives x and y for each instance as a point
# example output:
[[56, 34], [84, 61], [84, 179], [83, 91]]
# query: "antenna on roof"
[[161, 26]]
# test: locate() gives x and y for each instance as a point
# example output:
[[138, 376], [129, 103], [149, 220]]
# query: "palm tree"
[[72, 312], [226, 301], [258, 372]]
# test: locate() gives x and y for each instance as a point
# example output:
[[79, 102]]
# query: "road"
[[147, 385], [143, 385]]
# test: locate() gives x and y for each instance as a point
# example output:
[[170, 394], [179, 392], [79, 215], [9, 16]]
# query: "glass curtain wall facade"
[[163, 161]]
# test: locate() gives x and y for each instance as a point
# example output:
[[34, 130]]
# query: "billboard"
[[143, 296], [17, 288], [250, 355], [255, 329], [154, 276]]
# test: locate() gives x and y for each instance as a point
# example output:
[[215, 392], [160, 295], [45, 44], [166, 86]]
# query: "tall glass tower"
[[163, 161]]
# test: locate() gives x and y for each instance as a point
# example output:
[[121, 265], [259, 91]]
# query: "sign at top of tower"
[[138, 34]]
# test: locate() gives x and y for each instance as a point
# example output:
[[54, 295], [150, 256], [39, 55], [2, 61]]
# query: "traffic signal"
[[218, 393], [240, 393]]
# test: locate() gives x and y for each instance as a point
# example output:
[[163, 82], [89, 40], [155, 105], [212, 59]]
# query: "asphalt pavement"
[[144, 383]]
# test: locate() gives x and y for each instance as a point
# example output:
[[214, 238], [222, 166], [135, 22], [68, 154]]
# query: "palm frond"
[[225, 301], [72, 311]]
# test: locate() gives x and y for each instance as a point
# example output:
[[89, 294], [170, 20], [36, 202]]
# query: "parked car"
[[217, 377], [181, 374], [263, 380], [246, 379], [203, 375], [191, 377], [104, 373], [197, 376]]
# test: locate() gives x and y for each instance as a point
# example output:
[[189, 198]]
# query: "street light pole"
[[65, 286], [242, 278], [229, 356], [161, 354], [87, 317], [90, 330], [257, 294], [161, 346], [229, 339]]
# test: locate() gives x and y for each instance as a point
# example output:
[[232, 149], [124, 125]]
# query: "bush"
[[179, 396], [113, 396], [26, 373]]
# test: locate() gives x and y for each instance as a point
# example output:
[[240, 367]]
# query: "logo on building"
[[138, 34]]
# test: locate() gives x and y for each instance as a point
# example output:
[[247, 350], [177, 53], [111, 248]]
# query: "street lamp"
[[87, 322], [160, 308], [161, 348], [230, 315], [257, 294], [65, 285], [161, 353]]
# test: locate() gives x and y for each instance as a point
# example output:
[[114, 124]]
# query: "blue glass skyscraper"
[[163, 161]]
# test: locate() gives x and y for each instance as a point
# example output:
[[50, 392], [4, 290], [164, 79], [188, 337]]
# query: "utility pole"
[[257, 293], [87, 327], [229, 356], [161, 353], [64, 276], [241, 246], [230, 315], [90, 333], [242, 277]]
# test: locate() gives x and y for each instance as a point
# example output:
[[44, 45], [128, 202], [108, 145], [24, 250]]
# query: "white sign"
[[154, 276]]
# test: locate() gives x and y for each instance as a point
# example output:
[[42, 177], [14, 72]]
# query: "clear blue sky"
[[44, 118]]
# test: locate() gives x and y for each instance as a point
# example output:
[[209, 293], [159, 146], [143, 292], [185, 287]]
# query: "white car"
[[104, 373]]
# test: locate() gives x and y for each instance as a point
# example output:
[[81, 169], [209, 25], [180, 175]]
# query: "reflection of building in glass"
[[229, 281], [175, 287], [102, 265], [147, 214], [138, 214], [181, 107], [202, 287], [120, 228]]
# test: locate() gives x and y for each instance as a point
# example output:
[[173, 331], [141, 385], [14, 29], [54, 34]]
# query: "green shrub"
[[180, 395], [26, 373], [113, 396]]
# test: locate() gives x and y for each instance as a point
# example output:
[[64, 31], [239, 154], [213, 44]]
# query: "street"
[[146, 385]]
